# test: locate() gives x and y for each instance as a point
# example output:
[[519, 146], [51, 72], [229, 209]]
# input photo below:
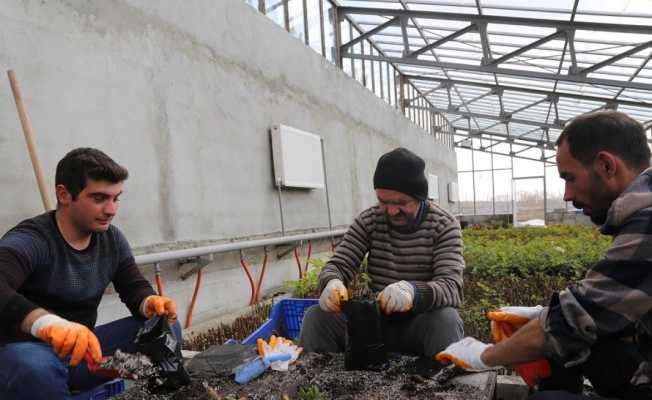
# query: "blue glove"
[[250, 370]]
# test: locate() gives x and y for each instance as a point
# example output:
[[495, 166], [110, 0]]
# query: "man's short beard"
[[598, 217], [409, 220], [599, 211]]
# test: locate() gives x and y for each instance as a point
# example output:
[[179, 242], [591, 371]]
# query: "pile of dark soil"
[[322, 376]]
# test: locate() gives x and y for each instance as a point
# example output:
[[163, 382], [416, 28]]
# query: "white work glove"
[[397, 297], [332, 295], [507, 320], [278, 346], [465, 354]]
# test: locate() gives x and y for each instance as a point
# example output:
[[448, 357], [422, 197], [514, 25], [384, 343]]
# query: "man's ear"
[[63, 195], [606, 164]]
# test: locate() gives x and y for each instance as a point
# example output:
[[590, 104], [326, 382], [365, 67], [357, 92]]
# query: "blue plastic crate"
[[104, 391], [285, 320]]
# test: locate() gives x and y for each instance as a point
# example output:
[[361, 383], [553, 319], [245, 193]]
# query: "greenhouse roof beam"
[[406, 50], [501, 33], [366, 35], [479, 97], [494, 19], [442, 85], [455, 111], [457, 3], [634, 75], [530, 46], [434, 45], [491, 69], [511, 154], [615, 58], [525, 107]]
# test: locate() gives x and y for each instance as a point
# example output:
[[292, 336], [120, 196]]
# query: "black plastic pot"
[[365, 346]]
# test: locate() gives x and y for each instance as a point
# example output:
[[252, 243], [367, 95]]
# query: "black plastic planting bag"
[[157, 341], [365, 347]]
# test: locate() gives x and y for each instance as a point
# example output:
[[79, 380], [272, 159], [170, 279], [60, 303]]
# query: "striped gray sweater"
[[429, 256]]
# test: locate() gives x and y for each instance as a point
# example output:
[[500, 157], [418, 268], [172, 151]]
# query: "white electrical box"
[[433, 187], [297, 158], [453, 194]]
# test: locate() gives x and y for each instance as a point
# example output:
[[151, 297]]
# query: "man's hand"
[[465, 354], [160, 305], [332, 295], [67, 338], [507, 320], [397, 297]]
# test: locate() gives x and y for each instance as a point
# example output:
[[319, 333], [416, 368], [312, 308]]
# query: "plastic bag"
[[220, 360], [365, 348], [157, 341]]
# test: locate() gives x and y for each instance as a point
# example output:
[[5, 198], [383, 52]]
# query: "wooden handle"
[[29, 139]]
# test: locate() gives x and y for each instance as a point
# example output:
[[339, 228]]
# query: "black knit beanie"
[[402, 170]]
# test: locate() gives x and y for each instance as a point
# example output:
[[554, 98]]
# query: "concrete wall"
[[184, 95]]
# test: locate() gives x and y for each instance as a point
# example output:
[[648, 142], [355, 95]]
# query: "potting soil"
[[323, 376]]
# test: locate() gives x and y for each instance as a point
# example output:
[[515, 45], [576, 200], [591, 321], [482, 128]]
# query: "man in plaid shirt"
[[588, 329]]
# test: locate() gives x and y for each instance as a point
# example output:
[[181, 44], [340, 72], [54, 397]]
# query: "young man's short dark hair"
[[610, 131], [82, 163]]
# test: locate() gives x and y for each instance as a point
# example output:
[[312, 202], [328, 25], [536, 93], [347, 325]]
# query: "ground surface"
[[323, 377]]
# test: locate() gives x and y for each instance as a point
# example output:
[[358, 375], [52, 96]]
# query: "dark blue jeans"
[[31, 370]]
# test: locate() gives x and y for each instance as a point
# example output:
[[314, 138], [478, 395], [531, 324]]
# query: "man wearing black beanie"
[[414, 265]]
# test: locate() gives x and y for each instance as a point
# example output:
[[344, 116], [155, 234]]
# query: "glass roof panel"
[[471, 76], [520, 82], [528, 14], [517, 129], [499, 129], [615, 19], [604, 85], [373, 4], [636, 95], [443, 8], [531, 153], [484, 123]]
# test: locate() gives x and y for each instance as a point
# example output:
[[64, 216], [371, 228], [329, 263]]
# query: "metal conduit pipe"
[[152, 258], [157, 258]]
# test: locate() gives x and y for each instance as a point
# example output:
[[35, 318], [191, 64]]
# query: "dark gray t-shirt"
[[38, 268]]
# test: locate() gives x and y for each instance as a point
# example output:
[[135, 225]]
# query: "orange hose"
[[260, 279], [245, 266], [157, 278], [296, 257], [305, 270], [194, 298]]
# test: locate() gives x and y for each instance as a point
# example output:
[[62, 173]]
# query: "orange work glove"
[[67, 338], [507, 320], [160, 305]]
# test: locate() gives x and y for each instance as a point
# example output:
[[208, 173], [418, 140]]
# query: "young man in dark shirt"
[[54, 269]]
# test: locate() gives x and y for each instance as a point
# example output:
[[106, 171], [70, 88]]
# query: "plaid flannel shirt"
[[616, 292]]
